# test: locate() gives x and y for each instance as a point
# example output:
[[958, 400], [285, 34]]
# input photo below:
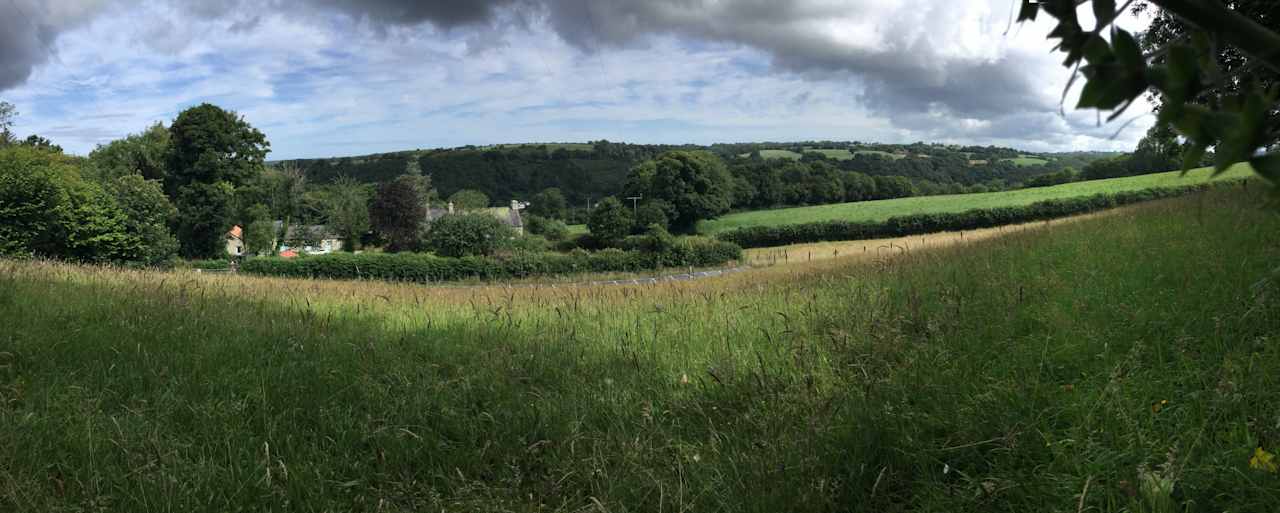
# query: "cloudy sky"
[[343, 77]]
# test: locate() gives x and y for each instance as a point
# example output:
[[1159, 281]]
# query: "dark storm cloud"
[[28, 30]]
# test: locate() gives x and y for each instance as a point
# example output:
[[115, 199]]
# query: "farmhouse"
[[316, 239], [309, 240], [235, 241], [509, 216]]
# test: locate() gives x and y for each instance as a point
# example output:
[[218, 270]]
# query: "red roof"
[[289, 253], [236, 232]]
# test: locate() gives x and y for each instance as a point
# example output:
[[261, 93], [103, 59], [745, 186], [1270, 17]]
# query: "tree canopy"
[[1202, 73], [696, 185]]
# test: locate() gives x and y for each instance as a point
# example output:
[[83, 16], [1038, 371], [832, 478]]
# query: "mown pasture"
[[880, 210], [1123, 362]]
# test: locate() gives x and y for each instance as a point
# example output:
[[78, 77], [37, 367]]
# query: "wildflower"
[[1156, 407], [1264, 461]]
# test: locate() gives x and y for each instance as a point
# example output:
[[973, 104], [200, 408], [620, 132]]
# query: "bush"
[[526, 244], [460, 235], [766, 236], [553, 229], [421, 268], [610, 221]]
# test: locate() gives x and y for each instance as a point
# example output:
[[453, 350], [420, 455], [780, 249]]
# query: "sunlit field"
[[1078, 366], [883, 209]]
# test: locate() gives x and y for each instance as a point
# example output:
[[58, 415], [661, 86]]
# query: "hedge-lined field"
[[423, 268], [880, 210], [1119, 363], [767, 236]]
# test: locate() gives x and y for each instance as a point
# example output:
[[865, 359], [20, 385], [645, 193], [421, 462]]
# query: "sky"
[[328, 78]]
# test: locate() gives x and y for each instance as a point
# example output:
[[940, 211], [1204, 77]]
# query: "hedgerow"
[[898, 226], [423, 268]]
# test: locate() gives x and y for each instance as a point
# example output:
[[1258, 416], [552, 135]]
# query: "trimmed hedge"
[[422, 268], [915, 224]]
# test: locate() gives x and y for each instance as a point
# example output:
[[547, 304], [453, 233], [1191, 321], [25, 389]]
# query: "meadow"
[[1024, 161], [881, 210], [1120, 362]]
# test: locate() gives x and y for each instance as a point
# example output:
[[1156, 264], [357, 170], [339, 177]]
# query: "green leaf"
[[1128, 51], [1104, 11], [1096, 50], [1268, 166], [1192, 156], [1029, 11]]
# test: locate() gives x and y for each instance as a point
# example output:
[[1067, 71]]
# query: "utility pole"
[[634, 200]]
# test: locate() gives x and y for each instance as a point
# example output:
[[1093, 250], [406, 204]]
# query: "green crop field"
[[885, 154], [837, 154], [1125, 362], [884, 209], [1025, 161]]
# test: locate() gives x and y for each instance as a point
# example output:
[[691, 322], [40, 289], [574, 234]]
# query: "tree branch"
[[1232, 27]]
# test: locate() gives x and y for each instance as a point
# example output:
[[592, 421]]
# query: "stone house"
[[509, 216]]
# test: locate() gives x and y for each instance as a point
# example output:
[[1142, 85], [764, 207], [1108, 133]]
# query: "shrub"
[[610, 221], [462, 235], [765, 236], [553, 229], [414, 267], [526, 244]]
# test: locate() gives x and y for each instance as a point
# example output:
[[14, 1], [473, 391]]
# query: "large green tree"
[[549, 203], [467, 234], [695, 183], [469, 199], [212, 151], [1213, 72], [346, 211], [399, 211], [610, 221], [48, 209], [204, 213], [148, 213], [146, 154]]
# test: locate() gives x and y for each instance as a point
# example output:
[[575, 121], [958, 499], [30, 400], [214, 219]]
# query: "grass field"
[[1027, 161], [884, 209], [885, 154], [1121, 363]]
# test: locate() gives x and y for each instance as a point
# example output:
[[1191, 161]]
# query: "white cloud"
[[321, 85]]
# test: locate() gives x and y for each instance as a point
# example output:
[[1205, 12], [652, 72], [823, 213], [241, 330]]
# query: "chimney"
[[450, 207]]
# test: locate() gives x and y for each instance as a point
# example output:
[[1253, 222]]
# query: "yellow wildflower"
[[1157, 406], [1264, 461]]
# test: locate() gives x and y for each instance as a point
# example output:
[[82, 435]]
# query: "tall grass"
[[1046, 370]]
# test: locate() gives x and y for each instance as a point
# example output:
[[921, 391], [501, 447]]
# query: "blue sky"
[[330, 77]]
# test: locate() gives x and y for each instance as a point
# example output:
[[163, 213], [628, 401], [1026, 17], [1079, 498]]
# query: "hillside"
[[1063, 368], [590, 171], [880, 210]]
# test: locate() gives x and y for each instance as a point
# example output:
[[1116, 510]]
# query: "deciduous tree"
[[399, 210]]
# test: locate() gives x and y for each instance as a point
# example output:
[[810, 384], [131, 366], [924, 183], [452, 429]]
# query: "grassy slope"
[[1028, 161], [1026, 366], [884, 209]]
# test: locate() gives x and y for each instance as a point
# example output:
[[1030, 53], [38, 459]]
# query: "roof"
[[236, 232], [507, 215], [306, 232]]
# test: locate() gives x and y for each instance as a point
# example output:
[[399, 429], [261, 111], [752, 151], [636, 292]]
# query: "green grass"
[[837, 154], [885, 154], [884, 209], [1025, 161], [1008, 375]]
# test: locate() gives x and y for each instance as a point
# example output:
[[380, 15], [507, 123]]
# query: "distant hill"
[[596, 169]]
